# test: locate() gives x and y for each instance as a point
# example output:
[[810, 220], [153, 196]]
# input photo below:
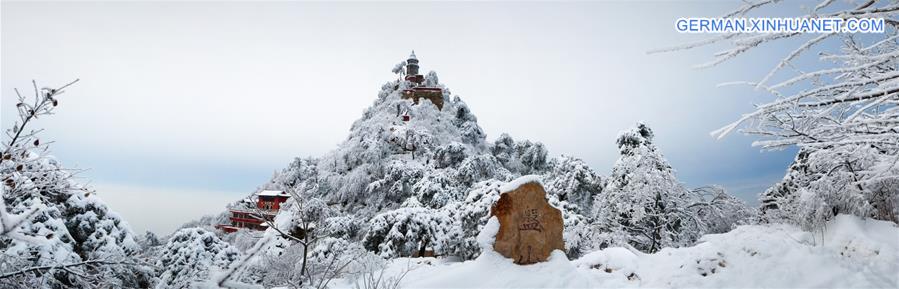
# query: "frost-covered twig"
[[67, 267], [373, 275], [44, 102]]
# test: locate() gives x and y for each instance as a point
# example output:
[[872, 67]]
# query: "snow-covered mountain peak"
[[414, 134]]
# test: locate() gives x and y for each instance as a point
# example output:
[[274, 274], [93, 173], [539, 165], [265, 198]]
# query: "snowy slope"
[[854, 253]]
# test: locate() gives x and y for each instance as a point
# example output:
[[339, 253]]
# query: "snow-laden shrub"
[[481, 167], [370, 271], [719, 211], [468, 219], [436, 189], [327, 260], [25, 248], [450, 155], [572, 180], [431, 79], [884, 199], [348, 227], [97, 231], [190, 255], [405, 231]]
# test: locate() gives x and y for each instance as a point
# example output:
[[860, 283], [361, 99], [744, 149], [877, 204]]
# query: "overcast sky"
[[183, 107]]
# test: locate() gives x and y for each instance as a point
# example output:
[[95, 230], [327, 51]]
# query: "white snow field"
[[853, 253]]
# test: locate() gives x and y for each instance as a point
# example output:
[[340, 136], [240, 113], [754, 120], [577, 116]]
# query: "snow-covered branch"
[[69, 267]]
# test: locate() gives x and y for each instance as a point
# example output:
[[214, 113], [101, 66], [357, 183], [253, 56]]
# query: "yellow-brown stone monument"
[[529, 228]]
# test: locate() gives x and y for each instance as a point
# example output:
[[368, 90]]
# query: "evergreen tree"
[[642, 199]]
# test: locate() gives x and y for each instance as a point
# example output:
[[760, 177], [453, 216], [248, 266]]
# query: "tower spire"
[[412, 66]]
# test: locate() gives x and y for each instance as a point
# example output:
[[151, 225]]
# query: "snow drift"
[[853, 253]]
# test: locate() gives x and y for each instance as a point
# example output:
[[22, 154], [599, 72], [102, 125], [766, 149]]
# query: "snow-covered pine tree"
[[190, 255], [405, 232], [642, 199]]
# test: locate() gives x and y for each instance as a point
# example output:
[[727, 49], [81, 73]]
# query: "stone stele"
[[529, 228]]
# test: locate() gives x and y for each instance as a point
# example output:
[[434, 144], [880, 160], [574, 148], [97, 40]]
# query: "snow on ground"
[[854, 253]]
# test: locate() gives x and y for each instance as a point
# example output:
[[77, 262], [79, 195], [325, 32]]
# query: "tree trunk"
[[305, 250], [423, 248]]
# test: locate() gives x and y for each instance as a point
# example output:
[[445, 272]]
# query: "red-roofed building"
[[252, 213]]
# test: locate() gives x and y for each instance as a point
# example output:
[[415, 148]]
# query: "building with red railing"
[[254, 213]]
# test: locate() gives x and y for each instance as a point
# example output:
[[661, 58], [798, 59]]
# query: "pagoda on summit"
[[417, 90], [412, 69]]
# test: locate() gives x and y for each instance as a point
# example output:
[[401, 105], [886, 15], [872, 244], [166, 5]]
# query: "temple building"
[[252, 213], [419, 91]]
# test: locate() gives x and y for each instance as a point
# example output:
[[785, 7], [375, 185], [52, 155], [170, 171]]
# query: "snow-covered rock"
[[514, 184]]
